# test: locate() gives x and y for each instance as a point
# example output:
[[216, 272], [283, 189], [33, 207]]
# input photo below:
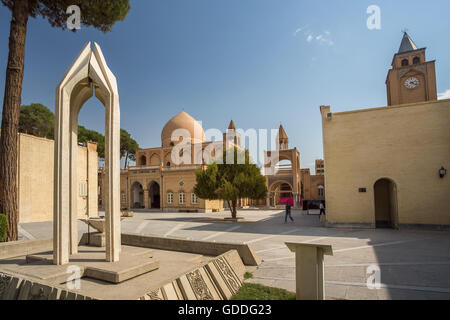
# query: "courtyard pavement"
[[413, 264]]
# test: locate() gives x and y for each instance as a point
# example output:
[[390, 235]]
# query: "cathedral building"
[[387, 166], [160, 183]]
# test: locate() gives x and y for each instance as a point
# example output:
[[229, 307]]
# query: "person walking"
[[322, 210], [288, 212]]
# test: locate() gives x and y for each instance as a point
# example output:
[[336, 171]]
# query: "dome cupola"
[[182, 121]]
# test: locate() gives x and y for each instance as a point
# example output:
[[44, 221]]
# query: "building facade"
[[320, 167], [313, 189], [385, 167], [160, 182]]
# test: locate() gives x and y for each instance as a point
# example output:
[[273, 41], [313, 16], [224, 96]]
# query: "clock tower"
[[412, 78]]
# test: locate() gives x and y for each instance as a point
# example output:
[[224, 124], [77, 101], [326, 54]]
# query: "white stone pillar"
[[61, 191]]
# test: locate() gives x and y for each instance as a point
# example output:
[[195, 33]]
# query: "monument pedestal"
[[134, 261], [309, 272]]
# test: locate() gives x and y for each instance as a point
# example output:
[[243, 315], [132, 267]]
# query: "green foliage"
[[128, 146], [101, 15], [86, 135], [248, 275], [252, 291], [231, 182], [37, 120], [3, 227], [208, 183]]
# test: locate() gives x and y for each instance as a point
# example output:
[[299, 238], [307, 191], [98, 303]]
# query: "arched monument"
[[88, 75]]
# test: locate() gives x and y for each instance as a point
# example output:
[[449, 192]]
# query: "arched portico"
[[279, 193], [88, 75]]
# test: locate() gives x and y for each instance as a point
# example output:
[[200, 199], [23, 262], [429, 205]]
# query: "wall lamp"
[[442, 172]]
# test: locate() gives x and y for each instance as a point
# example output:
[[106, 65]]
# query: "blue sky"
[[246, 60]]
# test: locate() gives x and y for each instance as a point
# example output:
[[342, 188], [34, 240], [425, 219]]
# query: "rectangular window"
[[194, 199], [123, 197], [170, 198], [182, 198]]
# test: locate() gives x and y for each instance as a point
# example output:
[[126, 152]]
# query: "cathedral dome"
[[182, 121]]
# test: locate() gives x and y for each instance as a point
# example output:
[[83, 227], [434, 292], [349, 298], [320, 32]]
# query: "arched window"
[[405, 62], [143, 160], [194, 198], [168, 164], [320, 191], [170, 197], [181, 197], [416, 60]]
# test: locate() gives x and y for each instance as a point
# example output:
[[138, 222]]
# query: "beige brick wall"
[[407, 143], [35, 179]]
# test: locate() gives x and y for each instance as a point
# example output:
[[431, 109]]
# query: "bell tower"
[[412, 78], [282, 139]]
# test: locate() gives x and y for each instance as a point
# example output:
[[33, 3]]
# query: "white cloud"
[[444, 95], [321, 38], [299, 30]]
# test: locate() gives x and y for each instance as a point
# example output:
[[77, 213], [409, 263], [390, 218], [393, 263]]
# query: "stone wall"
[[35, 196]]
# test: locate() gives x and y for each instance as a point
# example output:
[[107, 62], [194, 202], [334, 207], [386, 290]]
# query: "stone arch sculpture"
[[88, 75]]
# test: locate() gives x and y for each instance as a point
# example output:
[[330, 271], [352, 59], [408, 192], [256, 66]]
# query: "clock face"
[[412, 83]]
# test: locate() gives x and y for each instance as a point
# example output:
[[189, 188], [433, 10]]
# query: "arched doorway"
[[280, 192], [137, 195], [154, 195], [386, 209]]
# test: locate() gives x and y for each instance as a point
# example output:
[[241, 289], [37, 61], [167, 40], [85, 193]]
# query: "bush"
[[3, 227]]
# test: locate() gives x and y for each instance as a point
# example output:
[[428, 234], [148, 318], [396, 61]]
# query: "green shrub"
[[3, 227]]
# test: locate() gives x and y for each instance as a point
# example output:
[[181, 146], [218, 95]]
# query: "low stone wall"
[[219, 279], [14, 288], [246, 253], [23, 248]]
